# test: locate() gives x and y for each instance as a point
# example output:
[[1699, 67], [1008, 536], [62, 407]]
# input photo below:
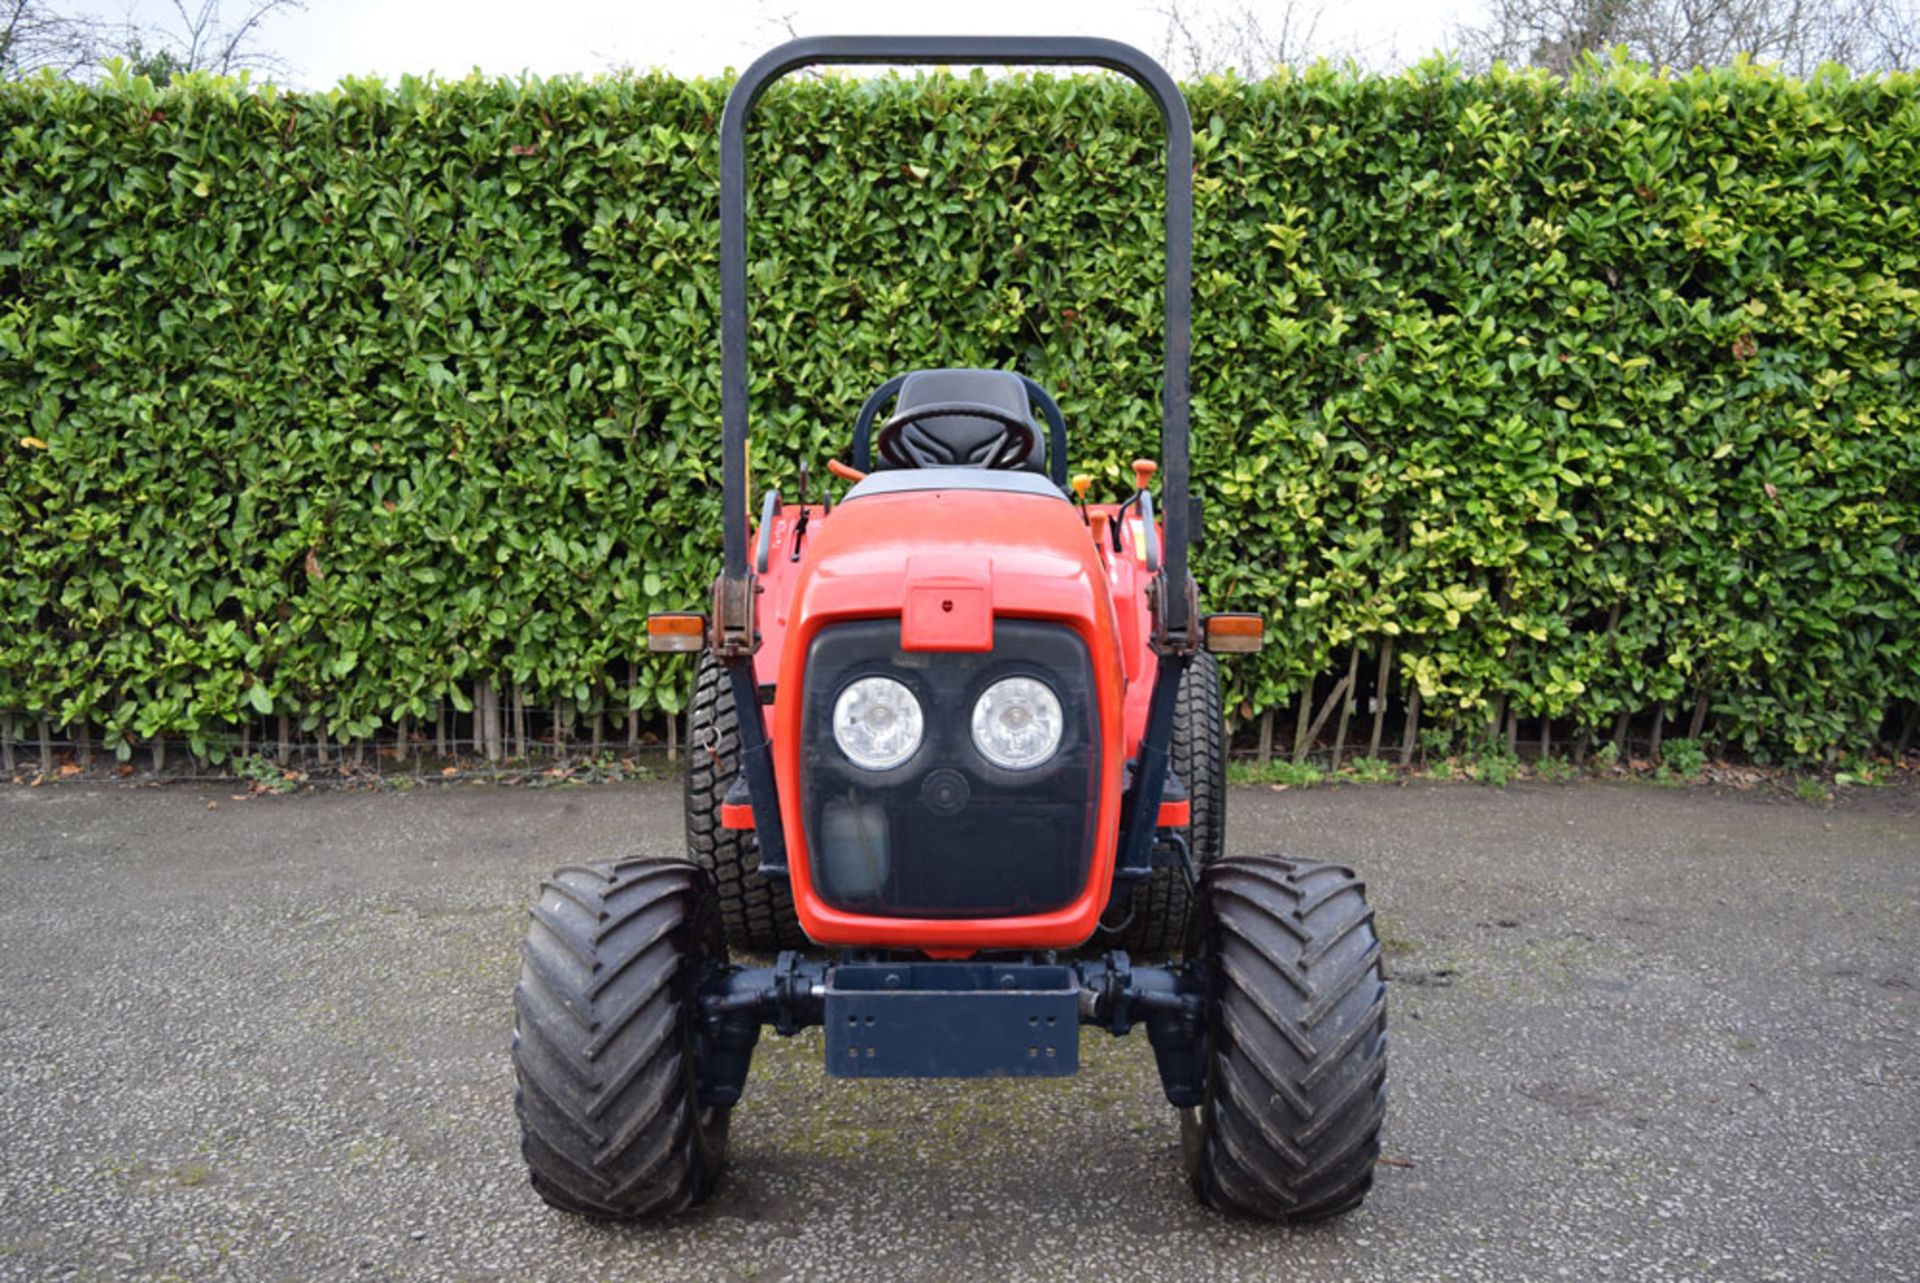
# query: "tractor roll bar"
[[979, 50]]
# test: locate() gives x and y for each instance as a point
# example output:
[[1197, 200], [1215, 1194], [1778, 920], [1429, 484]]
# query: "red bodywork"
[[947, 563]]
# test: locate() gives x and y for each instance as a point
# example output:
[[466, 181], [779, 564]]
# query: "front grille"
[[947, 834]]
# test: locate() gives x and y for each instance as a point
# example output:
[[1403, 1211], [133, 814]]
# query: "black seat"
[[961, 440]]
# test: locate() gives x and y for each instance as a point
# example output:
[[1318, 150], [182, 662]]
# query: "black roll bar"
[[974, 50]]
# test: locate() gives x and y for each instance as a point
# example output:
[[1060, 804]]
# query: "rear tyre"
[[757, 912], [606, 1040], [1161, 905], [1296, 1042]]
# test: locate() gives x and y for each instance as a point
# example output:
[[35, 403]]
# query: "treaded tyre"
[[606, 1041], [756, 912], [1160, 905], [1297, 1041]]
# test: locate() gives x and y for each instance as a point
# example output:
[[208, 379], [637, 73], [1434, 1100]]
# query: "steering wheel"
[[1010, 449]]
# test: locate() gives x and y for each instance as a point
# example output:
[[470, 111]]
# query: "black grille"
[[947, 834]]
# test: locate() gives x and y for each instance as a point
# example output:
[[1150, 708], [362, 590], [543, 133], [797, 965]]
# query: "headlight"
[[1016, 723], [877, 723]]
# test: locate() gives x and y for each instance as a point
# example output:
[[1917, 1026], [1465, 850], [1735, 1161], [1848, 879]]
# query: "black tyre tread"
[[605, 1086], [757, 912], [1297, 1078], [1161, 904]]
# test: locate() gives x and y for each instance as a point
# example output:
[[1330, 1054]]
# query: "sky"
[[388, 38]]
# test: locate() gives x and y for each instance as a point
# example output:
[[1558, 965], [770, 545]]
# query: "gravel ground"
[[1638, 1034]]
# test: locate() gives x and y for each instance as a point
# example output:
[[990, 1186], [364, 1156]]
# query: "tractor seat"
[[961, 440]]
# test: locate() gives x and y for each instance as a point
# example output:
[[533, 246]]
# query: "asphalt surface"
[[1638, 1034]]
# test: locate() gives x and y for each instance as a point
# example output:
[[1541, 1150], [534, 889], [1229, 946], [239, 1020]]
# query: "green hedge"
[[1588, 399]]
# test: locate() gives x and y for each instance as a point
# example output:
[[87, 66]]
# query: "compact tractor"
[[957, 765]]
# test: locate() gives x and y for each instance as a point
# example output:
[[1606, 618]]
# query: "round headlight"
[[1017, 723], [877, 723]]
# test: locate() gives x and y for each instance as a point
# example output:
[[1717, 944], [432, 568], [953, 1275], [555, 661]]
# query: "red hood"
[[986, 552], [948, 562]]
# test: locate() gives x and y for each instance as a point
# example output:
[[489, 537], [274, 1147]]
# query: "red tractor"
[[957, 756]]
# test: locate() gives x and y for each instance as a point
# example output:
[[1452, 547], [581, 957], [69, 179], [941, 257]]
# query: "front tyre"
[[1297, 1044], [606, 1040]]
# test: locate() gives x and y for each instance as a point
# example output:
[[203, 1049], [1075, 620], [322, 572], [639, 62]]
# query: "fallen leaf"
[[33, 443], [71, 768], [449, 770], [213, 806], [1388, 1160], [313, 566]]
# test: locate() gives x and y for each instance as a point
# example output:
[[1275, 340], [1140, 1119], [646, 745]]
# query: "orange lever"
[[1143, 470], [844, 472]]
